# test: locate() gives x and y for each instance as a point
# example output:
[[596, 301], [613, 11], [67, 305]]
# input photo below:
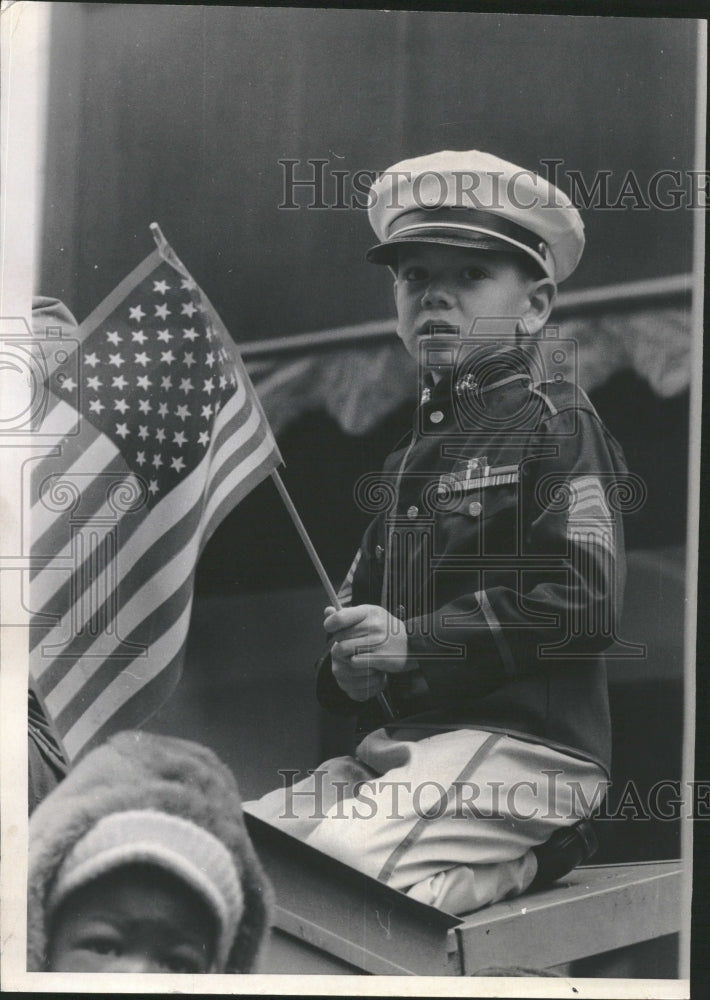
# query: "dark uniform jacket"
[[497, 540]]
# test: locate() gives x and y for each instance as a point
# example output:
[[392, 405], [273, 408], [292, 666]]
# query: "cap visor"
[[386, 253]]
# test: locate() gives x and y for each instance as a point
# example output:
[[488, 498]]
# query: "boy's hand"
[[368, 636], [358, 683], [369, 644]]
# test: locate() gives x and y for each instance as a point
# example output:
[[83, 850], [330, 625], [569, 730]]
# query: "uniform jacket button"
[[474, 508], [379, 551], [412, 512], [436, 416]]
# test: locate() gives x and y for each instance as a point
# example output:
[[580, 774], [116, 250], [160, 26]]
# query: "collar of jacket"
[[478, 370]]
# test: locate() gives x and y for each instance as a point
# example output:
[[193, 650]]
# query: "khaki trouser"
[[447, 817]]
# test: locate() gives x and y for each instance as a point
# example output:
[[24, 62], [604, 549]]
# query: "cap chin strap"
[[467, 219], [462, 227]]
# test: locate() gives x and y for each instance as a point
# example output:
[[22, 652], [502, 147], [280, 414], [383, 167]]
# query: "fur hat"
[[142, 797]]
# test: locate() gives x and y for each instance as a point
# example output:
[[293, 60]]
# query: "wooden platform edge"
[[593, 911]]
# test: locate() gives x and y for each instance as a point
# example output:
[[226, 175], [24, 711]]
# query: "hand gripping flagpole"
[[172, 258], [382, 699]]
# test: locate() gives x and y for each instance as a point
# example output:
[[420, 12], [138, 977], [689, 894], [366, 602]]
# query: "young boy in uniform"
[[487, 586]]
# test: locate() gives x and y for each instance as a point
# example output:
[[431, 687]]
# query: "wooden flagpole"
[[301, 528], [320, 569]]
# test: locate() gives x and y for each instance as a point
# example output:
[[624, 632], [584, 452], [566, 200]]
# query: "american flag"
[[159, 435]]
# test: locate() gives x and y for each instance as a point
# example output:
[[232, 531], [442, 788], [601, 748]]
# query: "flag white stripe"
[[101, 452], [164, 515], [126, 684], [60, 421]]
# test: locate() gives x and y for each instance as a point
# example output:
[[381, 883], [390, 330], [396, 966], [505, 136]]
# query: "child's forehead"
[[138, 886], [150, 905]]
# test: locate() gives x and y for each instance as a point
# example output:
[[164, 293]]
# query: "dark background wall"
[[181, 114]]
